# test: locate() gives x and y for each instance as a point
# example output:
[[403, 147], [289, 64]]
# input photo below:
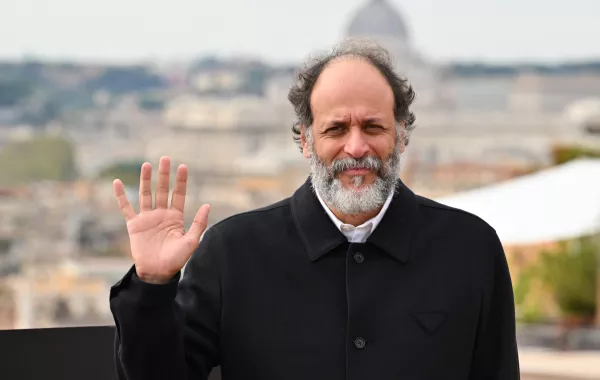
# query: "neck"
[[355, 220]]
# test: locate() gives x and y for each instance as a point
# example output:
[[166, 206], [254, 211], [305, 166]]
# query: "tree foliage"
[[565, 153], [13, 91], [568, 273], [127, 172], [37, 159]]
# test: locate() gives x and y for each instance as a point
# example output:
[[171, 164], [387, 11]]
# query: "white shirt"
[[360, 233]]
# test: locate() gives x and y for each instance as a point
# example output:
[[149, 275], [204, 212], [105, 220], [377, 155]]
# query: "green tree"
[[569, 272], [37, 159], [151, 102], [565, 153], [12, 92], [127, 172]]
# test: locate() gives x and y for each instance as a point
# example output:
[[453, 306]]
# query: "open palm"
[[160, 246]]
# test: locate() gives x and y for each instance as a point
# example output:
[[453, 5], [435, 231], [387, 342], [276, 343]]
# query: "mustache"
[[369, 162]]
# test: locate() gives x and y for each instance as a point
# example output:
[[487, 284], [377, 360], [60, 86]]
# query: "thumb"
[[199, 224]]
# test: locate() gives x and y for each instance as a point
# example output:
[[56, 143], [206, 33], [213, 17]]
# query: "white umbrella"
[[554, 204]]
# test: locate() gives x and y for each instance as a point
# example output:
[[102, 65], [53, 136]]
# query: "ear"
[[304, 142]]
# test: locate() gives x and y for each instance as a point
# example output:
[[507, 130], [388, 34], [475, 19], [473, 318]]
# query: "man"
[[352, 277]]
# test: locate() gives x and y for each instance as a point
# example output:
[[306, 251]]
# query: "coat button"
[[359, 343], [359, 257]]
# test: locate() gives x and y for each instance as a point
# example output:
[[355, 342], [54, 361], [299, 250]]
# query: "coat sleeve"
[[169, 331], [496, 355]]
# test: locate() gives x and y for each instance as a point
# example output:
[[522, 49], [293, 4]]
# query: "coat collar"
[[320, 236]]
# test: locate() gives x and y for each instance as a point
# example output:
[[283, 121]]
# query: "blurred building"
[[62, 244], [69, 293], [477, 124], [381, 21]]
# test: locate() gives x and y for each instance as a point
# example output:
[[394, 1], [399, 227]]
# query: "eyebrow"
[[373, 119]]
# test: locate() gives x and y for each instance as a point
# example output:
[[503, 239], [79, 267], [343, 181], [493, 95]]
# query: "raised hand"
[[159, 244]]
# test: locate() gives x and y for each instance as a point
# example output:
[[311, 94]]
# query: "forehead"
[[352, 84]]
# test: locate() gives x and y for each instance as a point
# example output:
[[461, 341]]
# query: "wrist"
[[154, 279]]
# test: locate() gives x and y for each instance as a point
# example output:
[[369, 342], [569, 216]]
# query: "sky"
[[286, 31]]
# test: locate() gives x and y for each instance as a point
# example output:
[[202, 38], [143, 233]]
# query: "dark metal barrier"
[[86, 353], [73, 353]]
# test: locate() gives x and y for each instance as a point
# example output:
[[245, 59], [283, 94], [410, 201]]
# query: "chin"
[[359, 182], [358, 188]]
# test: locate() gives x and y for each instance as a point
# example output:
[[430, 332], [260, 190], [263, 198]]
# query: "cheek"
[[384, 147], [328, 149]]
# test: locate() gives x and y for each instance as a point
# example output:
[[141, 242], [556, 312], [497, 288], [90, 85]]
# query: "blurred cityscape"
[[68, 129]]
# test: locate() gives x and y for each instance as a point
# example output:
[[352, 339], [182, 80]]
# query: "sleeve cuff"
[[133, 290]]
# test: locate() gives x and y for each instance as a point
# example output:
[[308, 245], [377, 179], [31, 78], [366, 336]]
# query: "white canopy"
[[554, 204]]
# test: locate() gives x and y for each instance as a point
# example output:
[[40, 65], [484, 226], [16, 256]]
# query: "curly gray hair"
[[300, 93]]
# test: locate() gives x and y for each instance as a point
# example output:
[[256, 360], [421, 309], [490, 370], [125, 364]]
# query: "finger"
[[199, 224], [146, 187], [124, 205], [179, 191], [162, 185]]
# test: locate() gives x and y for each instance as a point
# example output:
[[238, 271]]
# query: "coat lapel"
[[319, 235]]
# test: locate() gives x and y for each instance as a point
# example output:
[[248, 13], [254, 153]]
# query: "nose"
[[356, 144]]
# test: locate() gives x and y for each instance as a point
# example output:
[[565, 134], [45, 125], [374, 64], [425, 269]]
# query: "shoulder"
[[457, 220], [267, 217], [471, 237]]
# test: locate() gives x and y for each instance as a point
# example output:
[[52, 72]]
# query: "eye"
[[336, 128]]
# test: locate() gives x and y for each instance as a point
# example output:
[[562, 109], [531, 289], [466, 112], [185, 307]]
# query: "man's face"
[[354, 146]]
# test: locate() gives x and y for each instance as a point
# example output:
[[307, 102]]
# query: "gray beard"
[[355, 201]]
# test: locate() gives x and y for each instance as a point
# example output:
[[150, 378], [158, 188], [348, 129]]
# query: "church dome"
[[378, 18]]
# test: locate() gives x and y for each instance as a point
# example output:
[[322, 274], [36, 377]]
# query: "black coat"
[[280, 294]]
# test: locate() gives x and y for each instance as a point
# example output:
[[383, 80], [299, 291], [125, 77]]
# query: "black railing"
[[86, 353], [73, 353]]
